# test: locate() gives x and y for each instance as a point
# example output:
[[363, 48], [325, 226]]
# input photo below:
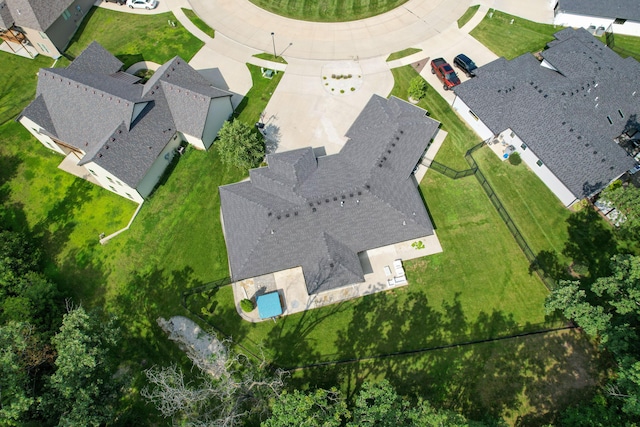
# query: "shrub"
[[247, 305], [239, 145], [515, 159], [352, 89], [417, 88], [341, 90]]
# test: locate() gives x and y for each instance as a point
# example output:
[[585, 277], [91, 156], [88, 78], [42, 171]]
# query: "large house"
[[116, 132], [623, 16], [319, 213], [564, 112], [31, 27]]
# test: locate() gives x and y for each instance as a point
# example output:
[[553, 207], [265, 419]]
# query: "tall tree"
[[322, 408], [15, 398], [82, 390], [238, 144], [609, 309]]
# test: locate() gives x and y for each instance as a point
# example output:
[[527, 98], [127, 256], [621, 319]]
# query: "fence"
[[502, 211]]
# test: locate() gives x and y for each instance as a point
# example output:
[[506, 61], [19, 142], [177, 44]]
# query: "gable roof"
[[35, 14], [625, 9], [567, 109], [319, 213], [120, 125]]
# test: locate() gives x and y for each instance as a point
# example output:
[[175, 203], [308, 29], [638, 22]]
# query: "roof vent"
[[367, 186], [595, 152], [270, 213], [401, 131], [287, 215], [311, 204], [331, 265], [279, 217], [295, 213], [313, 209], [350, 194], [344, 197], [335, 199], [326, 200]]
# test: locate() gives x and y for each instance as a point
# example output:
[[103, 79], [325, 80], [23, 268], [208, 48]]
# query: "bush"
[[247, 305], [417, 88], [515, 159]]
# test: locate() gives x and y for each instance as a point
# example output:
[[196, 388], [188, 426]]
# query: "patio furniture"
[[387, 270], [397, 265]]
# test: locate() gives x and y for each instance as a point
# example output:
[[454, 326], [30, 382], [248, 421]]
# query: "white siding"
[[472, 120], [34, 129], [148, 183], [113, 183], [195, 141], [220, 110], [631, 28], [530, 159]]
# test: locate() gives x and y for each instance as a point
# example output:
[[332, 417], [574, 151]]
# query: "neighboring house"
[[319, 213], [116, 132], [40, 26], [563, 114], [598, 15]]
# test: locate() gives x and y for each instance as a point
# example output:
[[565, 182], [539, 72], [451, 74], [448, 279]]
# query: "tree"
[[627, 200], [319, 407], [82, 389], [417, 88], [609, 309], [226, 397], [15, 399], [238, 144], [17, 257]]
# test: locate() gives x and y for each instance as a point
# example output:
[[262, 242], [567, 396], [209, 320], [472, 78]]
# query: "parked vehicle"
[[464, 63], [445, 73], [142, 4], [120, 2]]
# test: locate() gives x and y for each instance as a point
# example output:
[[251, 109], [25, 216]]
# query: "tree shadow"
[[12, 216], [441, 353], [591, 242]]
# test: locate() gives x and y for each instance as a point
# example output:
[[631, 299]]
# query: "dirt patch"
[[419, 65]]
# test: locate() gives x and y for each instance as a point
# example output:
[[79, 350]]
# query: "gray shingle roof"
[[320, 213], [625, 9], [6, 20], [563, 114], [36, 14], [91, 107]]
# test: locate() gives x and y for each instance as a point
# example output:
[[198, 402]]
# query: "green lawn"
[[466, 17], [255, 101], [18, 83], [503, 38], [328, 10], [133, 38], [625, 45], [270, 57], [193, 17], [401, 54]]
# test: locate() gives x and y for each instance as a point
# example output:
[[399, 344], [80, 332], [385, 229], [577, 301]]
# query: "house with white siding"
[[564, 112], [115, 131], [623, 16]]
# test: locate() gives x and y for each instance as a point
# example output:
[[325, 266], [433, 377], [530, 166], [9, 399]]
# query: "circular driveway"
[[405, 26]]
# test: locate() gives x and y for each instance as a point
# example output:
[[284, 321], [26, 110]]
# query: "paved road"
[[303, 111]]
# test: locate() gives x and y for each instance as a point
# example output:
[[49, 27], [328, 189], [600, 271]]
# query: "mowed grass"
[[467, 15], [509, 40], [625, 45], [401, 54], [202, 26], [18, 83], [133, 38], [328, 10]]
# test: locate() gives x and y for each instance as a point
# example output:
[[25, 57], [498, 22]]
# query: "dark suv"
[[463, 62], [120, 2]]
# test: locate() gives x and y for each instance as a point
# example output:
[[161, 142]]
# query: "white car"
[[142, 4]]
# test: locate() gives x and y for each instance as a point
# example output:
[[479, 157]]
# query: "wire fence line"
[[495, 201]]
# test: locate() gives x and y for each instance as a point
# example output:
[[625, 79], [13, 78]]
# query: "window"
[[43, 48], [119, 183], [621, 115], [610, 121], [109, 178], [66, 14], [93, 173], [129, 196], [43, 35], [473, 115], [619, 21], [523, 146], [512, 134], [113, 189], [539, 163]]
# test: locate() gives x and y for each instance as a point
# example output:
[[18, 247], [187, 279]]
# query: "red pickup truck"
[[445, 73]]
